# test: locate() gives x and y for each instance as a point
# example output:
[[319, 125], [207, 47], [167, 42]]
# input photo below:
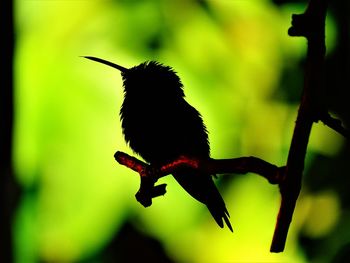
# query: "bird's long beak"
[[122, 69]]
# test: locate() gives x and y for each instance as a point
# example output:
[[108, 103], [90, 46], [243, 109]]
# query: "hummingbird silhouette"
[[160, 125]]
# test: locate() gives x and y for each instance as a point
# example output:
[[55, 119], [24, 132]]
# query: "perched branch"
[[149, 174]]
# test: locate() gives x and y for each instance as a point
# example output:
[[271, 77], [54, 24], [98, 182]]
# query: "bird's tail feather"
[[220, 213], [202, 188]]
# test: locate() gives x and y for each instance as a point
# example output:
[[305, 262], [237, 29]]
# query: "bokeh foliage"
[[240, 70]]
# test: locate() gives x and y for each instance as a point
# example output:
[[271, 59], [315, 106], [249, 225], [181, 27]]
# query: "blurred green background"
[[243, 73]]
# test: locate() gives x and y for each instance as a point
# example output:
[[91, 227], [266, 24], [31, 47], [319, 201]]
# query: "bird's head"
[[150, 78]]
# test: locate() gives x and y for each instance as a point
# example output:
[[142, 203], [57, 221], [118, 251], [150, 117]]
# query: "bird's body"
[[160, 126]]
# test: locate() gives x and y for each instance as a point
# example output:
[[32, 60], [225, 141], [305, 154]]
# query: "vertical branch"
[[311, 25]]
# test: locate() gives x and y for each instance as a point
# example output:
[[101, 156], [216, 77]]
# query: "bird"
[[159, 125]]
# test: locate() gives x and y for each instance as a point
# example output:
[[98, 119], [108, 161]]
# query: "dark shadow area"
[[131, 245], [9, 190]]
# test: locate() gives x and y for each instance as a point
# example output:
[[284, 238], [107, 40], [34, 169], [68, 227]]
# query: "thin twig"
[[335, 124]]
